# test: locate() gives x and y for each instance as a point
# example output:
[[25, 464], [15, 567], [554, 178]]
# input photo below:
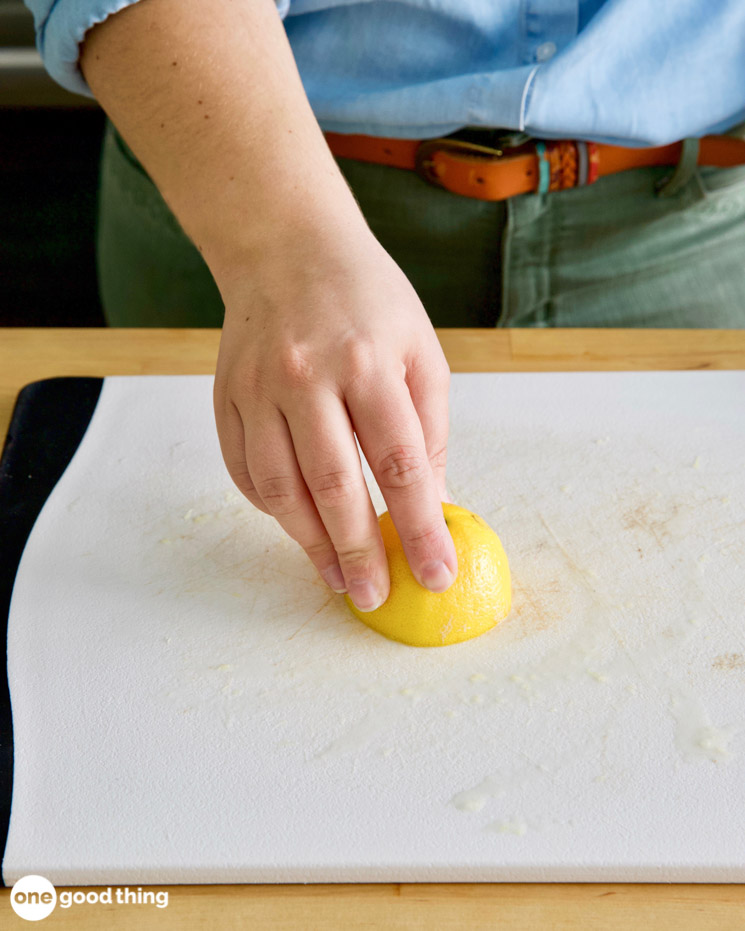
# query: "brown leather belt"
[[490, 173]]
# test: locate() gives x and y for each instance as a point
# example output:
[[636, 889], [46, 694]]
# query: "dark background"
[[50, 144]]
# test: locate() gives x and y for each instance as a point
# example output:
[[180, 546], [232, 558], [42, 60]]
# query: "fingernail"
[[437, 577], [334, 578], [446, 497], [364, 596]]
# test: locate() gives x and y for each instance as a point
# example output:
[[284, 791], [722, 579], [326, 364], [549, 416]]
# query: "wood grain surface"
[[30, 354]]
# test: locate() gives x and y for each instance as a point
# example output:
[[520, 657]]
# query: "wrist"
[[285, 238]]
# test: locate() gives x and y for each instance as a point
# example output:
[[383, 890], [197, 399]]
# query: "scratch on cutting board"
[[587, 579], [314, 614], [583, 574]]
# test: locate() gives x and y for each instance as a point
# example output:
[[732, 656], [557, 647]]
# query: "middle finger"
[[329, 461]]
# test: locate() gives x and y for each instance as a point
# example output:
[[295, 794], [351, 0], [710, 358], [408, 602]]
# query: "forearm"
[[209, 98]]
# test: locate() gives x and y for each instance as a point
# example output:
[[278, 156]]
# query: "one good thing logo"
[[34, 897]]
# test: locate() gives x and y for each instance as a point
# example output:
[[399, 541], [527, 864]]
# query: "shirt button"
[[545, 51]]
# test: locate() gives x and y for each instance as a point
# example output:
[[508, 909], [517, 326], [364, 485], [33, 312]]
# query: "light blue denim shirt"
[[634, 72]]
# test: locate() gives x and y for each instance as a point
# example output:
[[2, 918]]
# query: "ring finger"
[[274, 470]]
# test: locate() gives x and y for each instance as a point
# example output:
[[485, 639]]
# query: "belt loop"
[[544, 169], [583, 163], [684, 170]]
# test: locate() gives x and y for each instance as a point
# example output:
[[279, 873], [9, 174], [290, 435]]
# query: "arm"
[[323, 334], [210, 100]]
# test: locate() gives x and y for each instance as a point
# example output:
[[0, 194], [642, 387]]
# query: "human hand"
[[327, 339]]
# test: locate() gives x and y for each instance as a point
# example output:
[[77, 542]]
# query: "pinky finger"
[[231, 434]]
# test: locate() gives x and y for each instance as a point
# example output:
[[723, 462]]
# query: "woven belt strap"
[[538, 166]]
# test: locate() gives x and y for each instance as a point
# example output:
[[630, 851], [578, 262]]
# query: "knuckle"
[[400, 467], [424, 541], [280, 493], [359, 354], [297, 369], [319, 548], [332, 489], [358, 559], [438, 458], [360, 362]]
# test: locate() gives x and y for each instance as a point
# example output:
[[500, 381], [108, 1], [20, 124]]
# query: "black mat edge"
[[49, 420]]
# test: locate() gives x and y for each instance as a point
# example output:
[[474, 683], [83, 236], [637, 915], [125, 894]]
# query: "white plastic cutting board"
[[192, 704]]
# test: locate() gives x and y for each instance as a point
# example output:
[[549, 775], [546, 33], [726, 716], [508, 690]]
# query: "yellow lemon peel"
[[479, 598]]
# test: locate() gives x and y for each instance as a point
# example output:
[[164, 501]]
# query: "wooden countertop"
[[30, 354]]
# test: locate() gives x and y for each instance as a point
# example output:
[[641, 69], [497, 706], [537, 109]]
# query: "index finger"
[[391, 436]]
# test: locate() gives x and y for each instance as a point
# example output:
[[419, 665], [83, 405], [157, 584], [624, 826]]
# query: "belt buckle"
[[424, 165]]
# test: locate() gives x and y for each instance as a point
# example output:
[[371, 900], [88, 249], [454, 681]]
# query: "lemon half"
[[479, 598]]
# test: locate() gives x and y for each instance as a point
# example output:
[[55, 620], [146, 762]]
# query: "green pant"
[[610, 255]]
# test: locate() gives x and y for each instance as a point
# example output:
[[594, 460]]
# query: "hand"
[[326, 340]]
